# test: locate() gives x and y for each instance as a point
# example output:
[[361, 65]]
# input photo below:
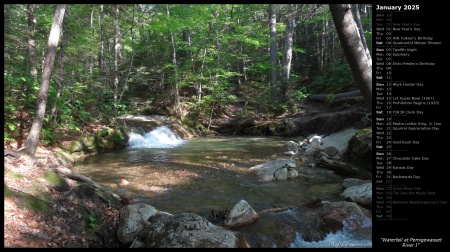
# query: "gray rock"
[[331, 151], [276, 169], [242, 213], [360, 194], [188, 230], [133, 219], [346, 216], [348, 182], [291, 146]]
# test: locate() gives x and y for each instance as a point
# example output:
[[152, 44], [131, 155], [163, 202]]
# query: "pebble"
[[34, 224]]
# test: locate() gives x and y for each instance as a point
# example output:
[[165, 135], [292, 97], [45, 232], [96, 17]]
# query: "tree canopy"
[[183, 60]]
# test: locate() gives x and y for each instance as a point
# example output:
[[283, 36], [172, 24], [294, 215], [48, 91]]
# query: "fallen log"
[[13, 153], [340, 167], [324, 97], [75, 176], [78, 177]]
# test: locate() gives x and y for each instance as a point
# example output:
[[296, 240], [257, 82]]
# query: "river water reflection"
[[208, 173]]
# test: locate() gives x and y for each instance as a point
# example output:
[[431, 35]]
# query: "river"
[[202, 174]]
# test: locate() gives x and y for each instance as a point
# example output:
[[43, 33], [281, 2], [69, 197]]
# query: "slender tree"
[[353, 49], [31, 50], [175, 67], [33, 137], [30, 62], [273, 51], [60, 71], [125, 86], [91, 54], [287, 58], [117, 46], [355, 9], [101, 50]]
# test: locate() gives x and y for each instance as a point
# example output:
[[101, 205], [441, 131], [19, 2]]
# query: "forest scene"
[[88, 82]]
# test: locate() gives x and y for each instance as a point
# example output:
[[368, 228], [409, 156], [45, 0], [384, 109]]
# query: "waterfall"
[[160, 137]]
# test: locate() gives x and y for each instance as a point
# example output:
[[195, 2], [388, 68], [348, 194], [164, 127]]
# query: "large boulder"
[[346, 216], [360, 194], [278, 235], [133, 219], [349, 182], [359, 151], [188, 230]]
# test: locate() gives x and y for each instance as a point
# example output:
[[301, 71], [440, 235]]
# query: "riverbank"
[[43, 209]]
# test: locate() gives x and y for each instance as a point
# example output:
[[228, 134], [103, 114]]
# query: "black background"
[[420, 221]]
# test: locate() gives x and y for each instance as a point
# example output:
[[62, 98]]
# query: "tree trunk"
[[317, 30], [200, 92], [101, 51], [321, 39], [116, 59], [31, 50], [186, 54], [91, 53], [353, 49], [273, 52], [355, 9], [287, 59], [33, 138], [30, 62], [324, 46], [125, 86], [60, 67], [174, 60]]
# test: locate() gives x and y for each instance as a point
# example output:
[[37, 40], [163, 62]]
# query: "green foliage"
[[11, 126], [227, 43], [298, 49], [368, 37], [330, 99], [299, 93], [295, 99], [47, 135], [6, 139], [92, 223], [322, 15], [338, 75], [247, 113]]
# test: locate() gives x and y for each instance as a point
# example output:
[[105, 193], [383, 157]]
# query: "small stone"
[[34, 224], [123, 182]]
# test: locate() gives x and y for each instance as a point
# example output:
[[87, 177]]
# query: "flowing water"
[[202, 174]]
